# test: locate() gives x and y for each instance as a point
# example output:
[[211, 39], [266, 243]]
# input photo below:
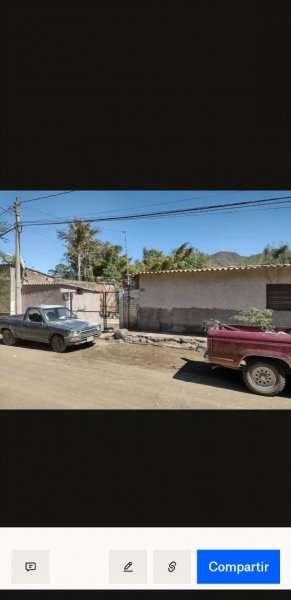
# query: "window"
[[279, 296], [35, 316]]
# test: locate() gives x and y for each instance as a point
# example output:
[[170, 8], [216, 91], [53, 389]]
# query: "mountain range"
[[231, 259]]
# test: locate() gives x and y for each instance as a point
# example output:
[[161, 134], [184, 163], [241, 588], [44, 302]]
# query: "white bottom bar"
[[128, 558]]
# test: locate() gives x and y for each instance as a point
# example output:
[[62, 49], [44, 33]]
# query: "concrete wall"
[[182, 301], [5, 290], [41, 294], [12, 291]]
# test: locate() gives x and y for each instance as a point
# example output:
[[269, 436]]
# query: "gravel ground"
[[122, 375]]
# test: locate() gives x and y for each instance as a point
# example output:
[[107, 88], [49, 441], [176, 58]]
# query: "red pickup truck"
[[264, 358]]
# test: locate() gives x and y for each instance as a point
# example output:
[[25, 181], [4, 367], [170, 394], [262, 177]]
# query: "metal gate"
[[109, 309]]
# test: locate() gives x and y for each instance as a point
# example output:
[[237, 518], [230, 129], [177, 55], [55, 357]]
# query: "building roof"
[[36, 271], [57, 284], [234, 268], [97, 286]]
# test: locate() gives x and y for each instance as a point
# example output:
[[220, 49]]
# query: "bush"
[[254, 316]]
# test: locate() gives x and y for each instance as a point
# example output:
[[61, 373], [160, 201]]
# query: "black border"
[[128, 96], [145, 468]]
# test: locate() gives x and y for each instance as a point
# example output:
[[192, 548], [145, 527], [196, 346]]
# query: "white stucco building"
[[181, 300]]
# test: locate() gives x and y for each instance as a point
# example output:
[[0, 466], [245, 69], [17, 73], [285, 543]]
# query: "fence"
[[109, 307], [128, 302]]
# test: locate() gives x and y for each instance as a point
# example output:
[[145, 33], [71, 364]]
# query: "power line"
[[133, 207], [175, 212], [43, 235], [41, 212], [50, 196], [8, 210], [168, 202], [235, 209], [226, 207], [8, 231]]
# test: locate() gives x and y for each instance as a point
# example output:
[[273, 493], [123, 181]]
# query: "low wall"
[[190, 320]]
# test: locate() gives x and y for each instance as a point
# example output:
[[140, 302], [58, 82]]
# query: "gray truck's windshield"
[[55, 314]]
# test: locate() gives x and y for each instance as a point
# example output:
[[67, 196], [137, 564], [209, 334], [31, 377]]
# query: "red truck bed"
[[265, 358]]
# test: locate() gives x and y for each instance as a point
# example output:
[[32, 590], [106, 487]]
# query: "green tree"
[[62, 271], [108, 262], [152, 260], [4, 257], [8, 259], [3, 228], [87, 257], [187, 257], [282, 253], [183, 257], [81, 244], [276, 255], [254, 316]]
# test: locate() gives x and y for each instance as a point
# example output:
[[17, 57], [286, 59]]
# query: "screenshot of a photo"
[[146, 299]]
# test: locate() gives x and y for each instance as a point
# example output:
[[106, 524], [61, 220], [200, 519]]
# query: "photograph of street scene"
[[145, 299]]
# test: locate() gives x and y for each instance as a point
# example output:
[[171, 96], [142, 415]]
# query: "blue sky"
[[246, 231]]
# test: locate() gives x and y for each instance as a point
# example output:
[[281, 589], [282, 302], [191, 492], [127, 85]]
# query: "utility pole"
[[79, 265], [18, 302], [127, 273]]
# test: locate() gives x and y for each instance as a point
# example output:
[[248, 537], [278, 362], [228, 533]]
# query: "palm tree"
[[187, 257], [80, 241]]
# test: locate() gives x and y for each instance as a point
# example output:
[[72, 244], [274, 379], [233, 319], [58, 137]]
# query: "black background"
[[156, 96], [145, 468]]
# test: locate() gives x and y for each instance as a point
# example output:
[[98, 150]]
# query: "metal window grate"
[[279, 296]]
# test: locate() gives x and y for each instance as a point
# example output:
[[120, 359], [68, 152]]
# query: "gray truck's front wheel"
[[8, 338], [58, 343], [264, 377]]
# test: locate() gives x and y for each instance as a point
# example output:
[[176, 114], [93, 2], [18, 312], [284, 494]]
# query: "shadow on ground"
[[229, 379], [45, 347]]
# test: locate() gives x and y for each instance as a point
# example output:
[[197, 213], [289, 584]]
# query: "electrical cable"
[[50, 196], [193, 210]]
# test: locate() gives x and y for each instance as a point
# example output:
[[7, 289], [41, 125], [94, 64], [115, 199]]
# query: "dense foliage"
[[254, 316], [87, 257]]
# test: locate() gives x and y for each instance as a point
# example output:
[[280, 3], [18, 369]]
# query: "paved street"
[[114, 375]]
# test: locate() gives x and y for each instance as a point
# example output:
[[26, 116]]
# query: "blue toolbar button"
[[238, 566]]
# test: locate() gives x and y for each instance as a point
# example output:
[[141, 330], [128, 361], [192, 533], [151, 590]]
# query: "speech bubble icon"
[[30, 566]]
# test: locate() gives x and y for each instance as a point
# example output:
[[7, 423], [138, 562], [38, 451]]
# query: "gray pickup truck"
[[51, 324]]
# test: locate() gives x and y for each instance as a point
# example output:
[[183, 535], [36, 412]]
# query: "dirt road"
[[110, 375]]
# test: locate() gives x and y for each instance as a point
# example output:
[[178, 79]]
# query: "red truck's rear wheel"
[[7, 338], [264, 377]]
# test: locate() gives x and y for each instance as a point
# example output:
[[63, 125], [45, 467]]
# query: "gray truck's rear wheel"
[[8, 338], [58, 343], [264, 377]]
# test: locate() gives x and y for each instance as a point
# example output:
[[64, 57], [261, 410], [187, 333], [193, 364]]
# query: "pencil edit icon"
[[127, 568]]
